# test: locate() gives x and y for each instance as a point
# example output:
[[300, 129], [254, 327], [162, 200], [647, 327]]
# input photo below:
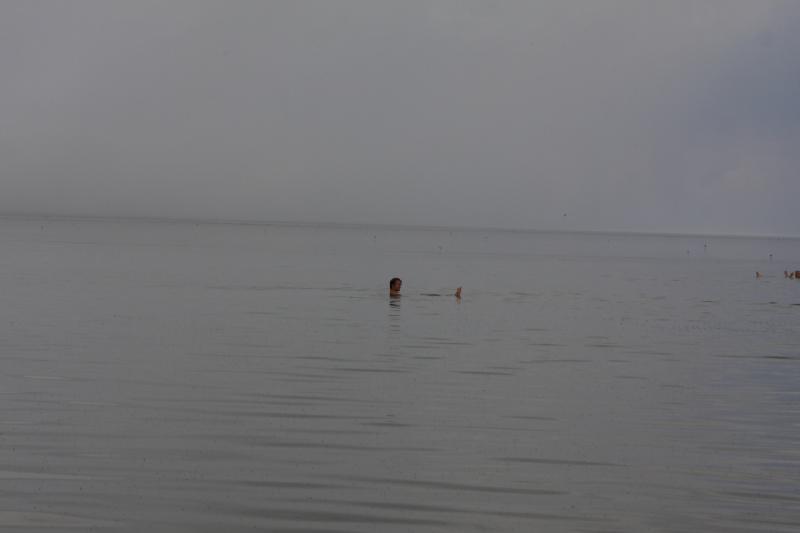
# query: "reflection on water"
[[204, 378]]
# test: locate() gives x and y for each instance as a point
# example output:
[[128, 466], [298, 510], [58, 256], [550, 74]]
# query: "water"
[[201, 377]]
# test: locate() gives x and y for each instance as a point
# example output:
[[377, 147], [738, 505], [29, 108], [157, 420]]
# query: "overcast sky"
[[600, 115]]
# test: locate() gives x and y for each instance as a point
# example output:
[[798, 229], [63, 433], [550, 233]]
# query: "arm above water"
[[457, 294]]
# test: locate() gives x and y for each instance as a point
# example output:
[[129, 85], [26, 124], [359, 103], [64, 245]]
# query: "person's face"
[[396, 286]]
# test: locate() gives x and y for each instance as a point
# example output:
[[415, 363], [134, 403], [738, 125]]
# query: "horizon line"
[[352, 225]]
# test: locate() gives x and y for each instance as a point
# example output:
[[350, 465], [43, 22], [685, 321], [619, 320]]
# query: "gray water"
[[202, 377]]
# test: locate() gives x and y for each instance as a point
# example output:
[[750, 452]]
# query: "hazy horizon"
[[409, 226], [618, 116]]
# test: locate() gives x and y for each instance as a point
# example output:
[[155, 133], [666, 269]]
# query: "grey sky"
[[629, 115]]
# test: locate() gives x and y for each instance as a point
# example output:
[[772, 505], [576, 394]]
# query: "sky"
[[680, 116]]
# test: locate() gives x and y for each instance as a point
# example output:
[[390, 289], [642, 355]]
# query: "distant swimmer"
[[395, 284], [394, 287]]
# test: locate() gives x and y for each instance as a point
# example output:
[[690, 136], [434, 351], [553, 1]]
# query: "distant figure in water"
[[395, 284], [394, 287]]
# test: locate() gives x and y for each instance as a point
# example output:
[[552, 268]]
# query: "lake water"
[[208, 377]]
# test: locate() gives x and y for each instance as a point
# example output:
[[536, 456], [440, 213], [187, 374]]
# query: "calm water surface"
[[201, 377]]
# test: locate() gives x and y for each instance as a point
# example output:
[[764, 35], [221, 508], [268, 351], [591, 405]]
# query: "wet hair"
[[393, 281]]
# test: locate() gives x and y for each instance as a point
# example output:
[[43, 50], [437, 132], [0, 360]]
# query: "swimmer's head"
[[394, 286]]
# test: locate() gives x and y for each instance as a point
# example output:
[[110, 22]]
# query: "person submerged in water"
[[395, 284], [394, 287]]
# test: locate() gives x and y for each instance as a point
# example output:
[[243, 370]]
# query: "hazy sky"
[[622, 115]]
